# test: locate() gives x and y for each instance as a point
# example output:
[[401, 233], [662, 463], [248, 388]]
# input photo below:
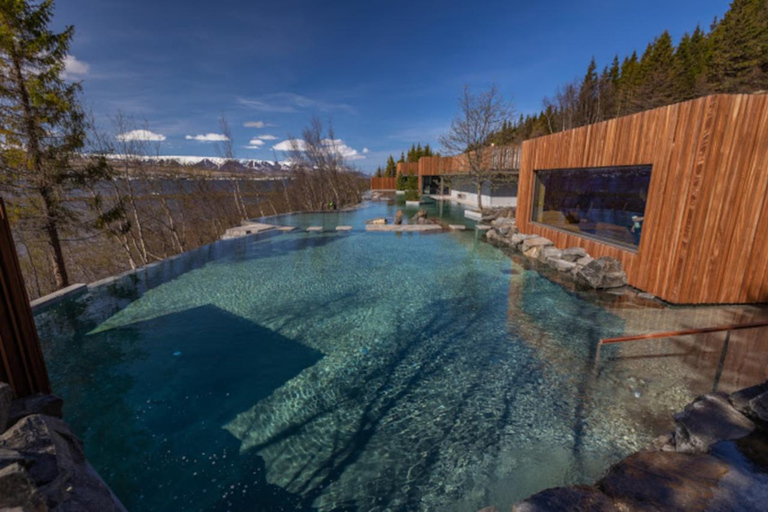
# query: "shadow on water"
[[367, 396], [165, 387]]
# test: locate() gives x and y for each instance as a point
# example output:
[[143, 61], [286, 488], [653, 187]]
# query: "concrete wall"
[[499, 196]]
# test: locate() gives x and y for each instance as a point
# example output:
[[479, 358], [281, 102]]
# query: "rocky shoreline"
[[715, 460], [598, 273], [42, 464]]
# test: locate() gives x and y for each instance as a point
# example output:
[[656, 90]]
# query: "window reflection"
[[607, 203]]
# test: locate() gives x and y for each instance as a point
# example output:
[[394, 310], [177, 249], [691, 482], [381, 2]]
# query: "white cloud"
[[141, 135], [254, 124], [366, 151], [256, 142], [289, 103], [288, 145], [337, 144], [208, 137], [252, 147], [74, 67], [267, 137]]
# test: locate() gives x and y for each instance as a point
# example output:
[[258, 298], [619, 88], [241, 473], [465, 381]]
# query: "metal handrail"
[[684, 332]]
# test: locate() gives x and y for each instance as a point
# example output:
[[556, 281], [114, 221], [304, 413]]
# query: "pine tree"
[[42, 122], [739, 59], [402, 158], [656, 76], [588, 99], [391, 169]]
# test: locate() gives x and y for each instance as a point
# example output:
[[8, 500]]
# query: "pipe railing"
[[684, 332]]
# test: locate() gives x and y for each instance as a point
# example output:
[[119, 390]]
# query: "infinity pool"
[[362, 371]]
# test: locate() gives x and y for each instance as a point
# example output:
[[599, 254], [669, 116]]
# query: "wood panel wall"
[[705, 235], [383, 183], [23, 366]]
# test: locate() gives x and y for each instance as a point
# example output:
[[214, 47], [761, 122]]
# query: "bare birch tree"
[[479, 117]]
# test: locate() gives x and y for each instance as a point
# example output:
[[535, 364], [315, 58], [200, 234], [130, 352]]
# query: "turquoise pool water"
[[359, 371]]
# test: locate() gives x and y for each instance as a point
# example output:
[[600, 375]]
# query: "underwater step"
[[248, 229], [402, 227], [315, 229], [457, 227], [343, 228], [286, 228], [482, 227]]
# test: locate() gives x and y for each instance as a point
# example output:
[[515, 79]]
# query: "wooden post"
[[23, 366]]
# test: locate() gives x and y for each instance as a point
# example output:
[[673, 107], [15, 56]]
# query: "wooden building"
[[703, 235]]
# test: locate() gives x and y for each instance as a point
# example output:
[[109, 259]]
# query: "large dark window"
[[607, 203]]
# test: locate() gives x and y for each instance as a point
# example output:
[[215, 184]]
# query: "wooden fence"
[[705, 234], [383, 183], [23, 366]]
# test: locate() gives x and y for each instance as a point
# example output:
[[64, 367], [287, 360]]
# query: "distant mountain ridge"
[[212, 163]]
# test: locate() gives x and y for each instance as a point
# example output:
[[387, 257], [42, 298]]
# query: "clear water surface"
[[364, 371]]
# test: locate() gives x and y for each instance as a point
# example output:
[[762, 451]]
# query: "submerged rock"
[[669, 481], [602, 273], [547, 252], [709, 419], [380, 220], [399, 217], [580, 497]]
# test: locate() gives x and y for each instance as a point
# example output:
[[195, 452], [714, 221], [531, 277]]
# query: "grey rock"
[[8, 457], [663, 443], [580, 497], [518, 238], [573, 254], [421, 214], [759, 406], [662, 480], [740, 399], [55, 451], [547, 252], [586, 260], [536, 241], [709, 419], [6, 396], [50, 405], [602, 273], [533, 252], [505, 230], [561, 265], [647, 296], [18, 492], [56, 465]]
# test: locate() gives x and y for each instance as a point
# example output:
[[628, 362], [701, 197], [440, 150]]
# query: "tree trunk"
[[58, 264], [480, 195]]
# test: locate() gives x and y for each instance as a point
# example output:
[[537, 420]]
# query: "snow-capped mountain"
[[212, 163]]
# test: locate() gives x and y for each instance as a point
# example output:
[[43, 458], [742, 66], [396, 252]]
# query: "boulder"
[[49, 405], [533, 252], [547, 252], [573, 254], [659, 480], [579, 497], [6, 396], [399, 217], [709, 419], [56, 465], [561, 265], [586, 260], [536, 241], [518, 238], [18, 491], [421, 214], [740, 399], [602, 273], [759, 406]]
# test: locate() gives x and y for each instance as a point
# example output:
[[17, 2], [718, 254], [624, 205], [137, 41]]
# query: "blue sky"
[[386, 73]]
